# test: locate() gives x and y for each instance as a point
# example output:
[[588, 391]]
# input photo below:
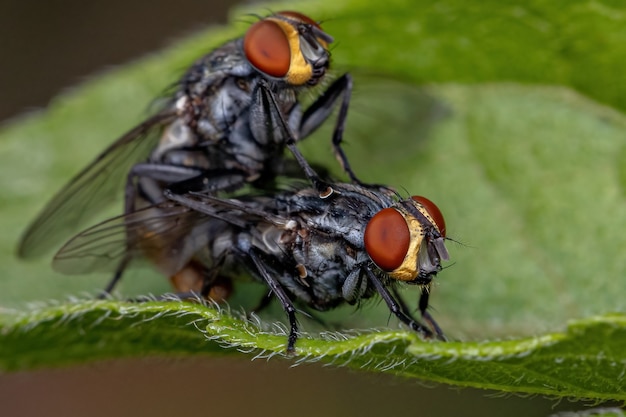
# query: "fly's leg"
[[423, 305], [211, 181], [324, 189], [403, 305], [157, 172], [108, 289], [180, 179], [396, 308], [267, 299], [317, 113], [268, 121], [263, 303], [279, 292], [117, 276]]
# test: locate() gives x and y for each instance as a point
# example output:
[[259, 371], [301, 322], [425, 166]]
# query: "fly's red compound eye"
[[387, 239], [299, 16], [267, 48], [434, 213]]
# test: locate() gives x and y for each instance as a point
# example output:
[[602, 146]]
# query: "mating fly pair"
[[227, 124]]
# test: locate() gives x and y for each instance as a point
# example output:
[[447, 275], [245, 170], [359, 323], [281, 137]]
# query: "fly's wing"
[[92, 189], [166, 236], [240, 212]]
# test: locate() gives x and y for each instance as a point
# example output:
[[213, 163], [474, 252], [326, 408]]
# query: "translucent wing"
[[166, 236], [99, 184]]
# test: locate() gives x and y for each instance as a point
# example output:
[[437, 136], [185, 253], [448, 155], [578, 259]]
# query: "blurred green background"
[[51, 47]]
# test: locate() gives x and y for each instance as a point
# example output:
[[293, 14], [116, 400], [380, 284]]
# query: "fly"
[[226, 125], [361, 241]]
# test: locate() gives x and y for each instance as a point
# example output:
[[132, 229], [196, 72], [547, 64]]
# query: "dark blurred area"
[[237, 386], [48, 46]]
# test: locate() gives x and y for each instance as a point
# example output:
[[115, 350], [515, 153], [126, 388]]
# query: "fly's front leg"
[[396, 307], [423, 305], [269, 126], [321, 109]]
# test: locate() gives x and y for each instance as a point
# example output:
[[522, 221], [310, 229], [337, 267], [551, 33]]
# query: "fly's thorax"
[[406, 240], [288, 46], [216, 91], [317, 249], [225, 104], [213, 113], [223, 62], [212, 130], [343, 215]]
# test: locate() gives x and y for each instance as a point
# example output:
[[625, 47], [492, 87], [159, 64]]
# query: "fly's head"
[[407, 240], [288, 46]]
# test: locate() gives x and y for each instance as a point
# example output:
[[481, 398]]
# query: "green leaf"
[[585, 361], [478, 112]]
